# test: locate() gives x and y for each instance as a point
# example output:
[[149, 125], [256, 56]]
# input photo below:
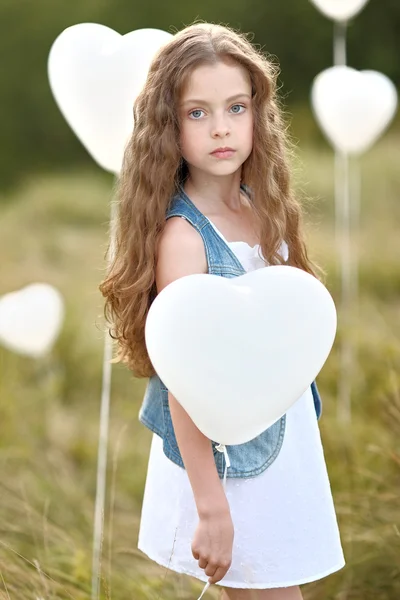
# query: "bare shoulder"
[[180, 252]]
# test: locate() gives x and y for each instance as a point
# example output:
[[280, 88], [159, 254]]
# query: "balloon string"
[[220, 448]]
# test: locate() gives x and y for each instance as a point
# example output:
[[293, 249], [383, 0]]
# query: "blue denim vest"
[[248, 459]]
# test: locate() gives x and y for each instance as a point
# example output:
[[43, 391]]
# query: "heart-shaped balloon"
[[353, 107], [340, 10], [95, 75], [31, 318], [237, 353]]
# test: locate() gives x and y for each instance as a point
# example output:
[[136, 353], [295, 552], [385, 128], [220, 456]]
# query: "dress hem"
[[244, 584]]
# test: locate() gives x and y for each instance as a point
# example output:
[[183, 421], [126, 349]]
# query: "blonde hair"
[[153, 169]]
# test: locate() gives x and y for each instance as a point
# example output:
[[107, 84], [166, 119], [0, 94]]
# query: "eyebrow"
[[230, 99]]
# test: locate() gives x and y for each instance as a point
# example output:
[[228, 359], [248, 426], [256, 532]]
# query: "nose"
[[220, 127]]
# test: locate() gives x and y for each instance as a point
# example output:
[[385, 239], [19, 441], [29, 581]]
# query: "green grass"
[[54, 229]]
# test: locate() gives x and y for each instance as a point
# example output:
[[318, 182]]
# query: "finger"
[[219, 574], [211, 569], [196, 554], [203, 562]]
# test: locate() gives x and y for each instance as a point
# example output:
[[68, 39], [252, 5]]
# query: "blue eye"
[[236, 112], [196, 111]]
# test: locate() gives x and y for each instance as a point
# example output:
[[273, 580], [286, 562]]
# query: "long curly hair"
[[153, 170]]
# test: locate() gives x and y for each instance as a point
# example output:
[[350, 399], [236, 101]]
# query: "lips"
[[226, 149], [223, 153]]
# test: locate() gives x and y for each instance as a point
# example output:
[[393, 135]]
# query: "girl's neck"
[[215, 194]]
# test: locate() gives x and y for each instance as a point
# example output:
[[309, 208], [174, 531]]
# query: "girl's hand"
[[212, 544]]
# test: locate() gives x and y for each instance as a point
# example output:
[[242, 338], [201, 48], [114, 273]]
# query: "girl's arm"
[[197, 455], [181, 252]]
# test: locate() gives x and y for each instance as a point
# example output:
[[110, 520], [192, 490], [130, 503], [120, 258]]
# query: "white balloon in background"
[[30, 319], [95, 75], [353, 107], [340, 10], [237, 353]]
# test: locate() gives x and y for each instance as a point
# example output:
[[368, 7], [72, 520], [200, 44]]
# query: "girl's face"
[[216, 112]]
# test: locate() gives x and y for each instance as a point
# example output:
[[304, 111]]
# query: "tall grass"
[[54, 229]]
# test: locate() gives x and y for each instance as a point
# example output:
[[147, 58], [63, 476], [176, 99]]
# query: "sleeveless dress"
[[285, 527]]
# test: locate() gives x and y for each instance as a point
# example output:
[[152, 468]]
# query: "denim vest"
[[248, 459]]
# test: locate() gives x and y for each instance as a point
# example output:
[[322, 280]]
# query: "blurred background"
[[54, 211]]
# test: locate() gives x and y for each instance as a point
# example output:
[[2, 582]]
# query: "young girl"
[[205, 189]]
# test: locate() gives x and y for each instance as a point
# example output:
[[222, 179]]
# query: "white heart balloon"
[[95, 75], [340, 10], [237, 353], [31, 318], [353, 107]]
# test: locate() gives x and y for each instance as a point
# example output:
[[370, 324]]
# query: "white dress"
[[286, 531]]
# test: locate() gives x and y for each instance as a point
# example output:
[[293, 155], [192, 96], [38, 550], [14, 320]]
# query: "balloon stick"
[[339, 55], [343, 219], [339, 43], [103, 438], [355, 210], [346, 353]]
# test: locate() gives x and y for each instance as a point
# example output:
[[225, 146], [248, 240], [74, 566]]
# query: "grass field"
[[54, 229]]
